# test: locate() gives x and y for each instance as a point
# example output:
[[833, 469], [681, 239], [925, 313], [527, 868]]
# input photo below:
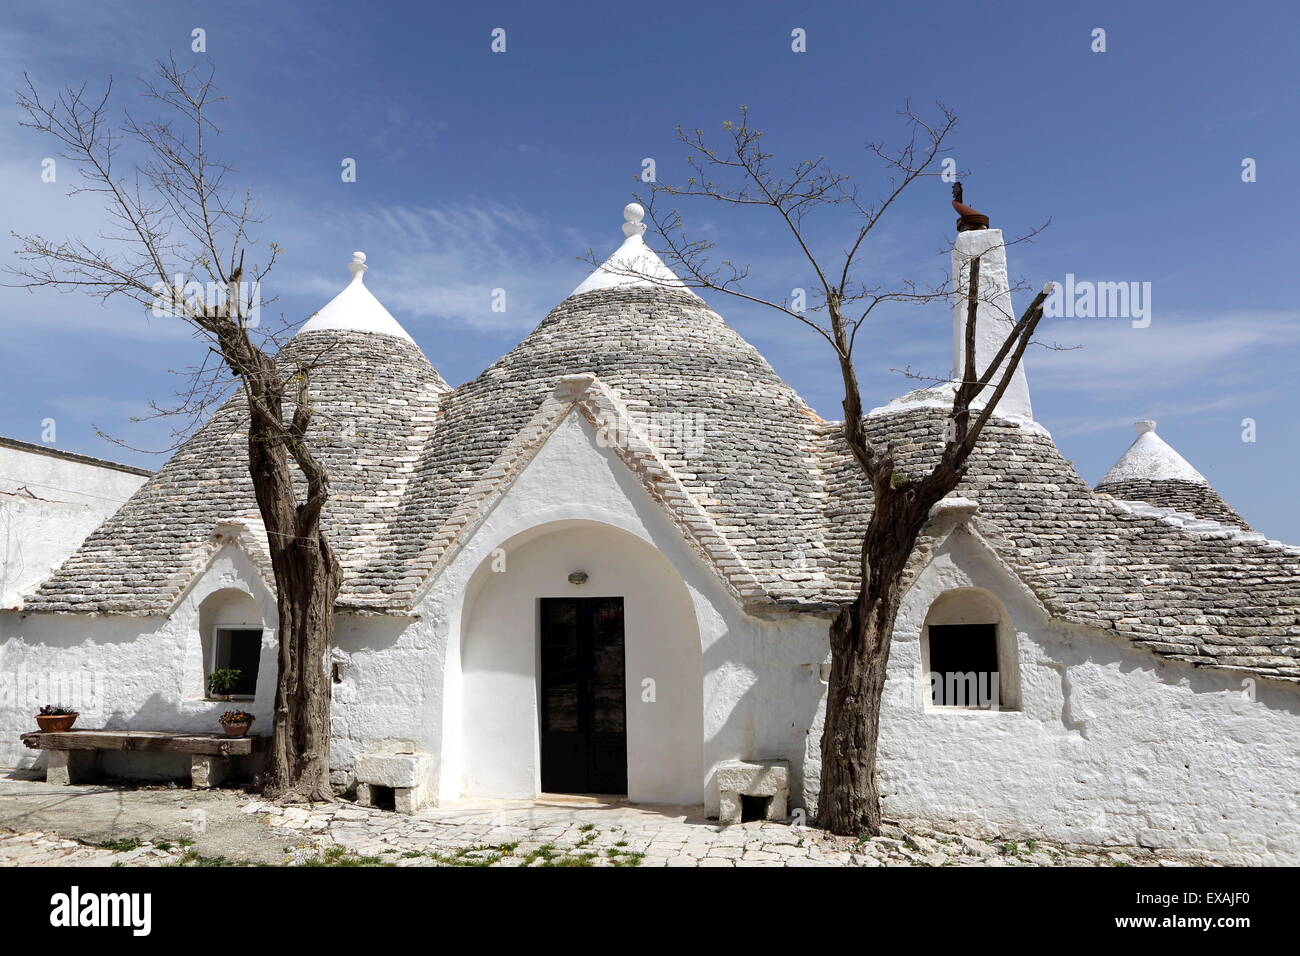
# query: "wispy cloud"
[[444, 261], [1166, 410], [1109, 358]]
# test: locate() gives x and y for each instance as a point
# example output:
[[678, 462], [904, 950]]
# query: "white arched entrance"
[[501, 660]]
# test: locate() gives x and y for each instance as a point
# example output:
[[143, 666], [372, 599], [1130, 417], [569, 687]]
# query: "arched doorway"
[[540, 658]]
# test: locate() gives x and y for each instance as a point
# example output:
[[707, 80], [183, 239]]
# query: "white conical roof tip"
[[1152, 458], [356, 309], [633, 265]]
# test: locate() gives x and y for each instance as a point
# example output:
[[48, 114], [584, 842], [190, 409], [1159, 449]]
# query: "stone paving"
[[565, 831], [579, 832], [48, 849]]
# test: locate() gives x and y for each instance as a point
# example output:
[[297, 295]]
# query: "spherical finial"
[[1144, 426], [358, 264], [633, 212]]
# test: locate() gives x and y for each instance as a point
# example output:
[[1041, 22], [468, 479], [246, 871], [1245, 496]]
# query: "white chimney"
[[994, 319]]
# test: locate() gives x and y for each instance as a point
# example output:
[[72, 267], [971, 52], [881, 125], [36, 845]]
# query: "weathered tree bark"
[[307, 578], [859, 640], [307, 581]]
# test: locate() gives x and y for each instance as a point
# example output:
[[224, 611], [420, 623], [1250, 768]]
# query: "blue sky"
[[479, 170]]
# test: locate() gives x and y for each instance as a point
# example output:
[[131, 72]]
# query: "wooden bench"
[[71, 755]]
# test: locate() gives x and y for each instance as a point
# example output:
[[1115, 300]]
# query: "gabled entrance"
[[583, 702], [647, 743]]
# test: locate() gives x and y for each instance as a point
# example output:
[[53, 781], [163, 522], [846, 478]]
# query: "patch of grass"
[[544, 852], [547, 854], [164, 845], [193, 858], [124, 845], [587, 827], [482, 854], [339, 856]]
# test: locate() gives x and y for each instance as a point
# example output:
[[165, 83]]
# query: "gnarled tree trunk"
[[307, 583], [307, 578], [860, 639]]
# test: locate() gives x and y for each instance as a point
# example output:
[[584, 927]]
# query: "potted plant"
[[236, 722], [222, 682], [55, 718]]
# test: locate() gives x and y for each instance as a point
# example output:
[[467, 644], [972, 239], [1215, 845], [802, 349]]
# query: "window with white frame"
[[964, 666], [238, 648], [969, 653]]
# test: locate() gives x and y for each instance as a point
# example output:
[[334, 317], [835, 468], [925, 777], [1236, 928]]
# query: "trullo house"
[[608, 565]]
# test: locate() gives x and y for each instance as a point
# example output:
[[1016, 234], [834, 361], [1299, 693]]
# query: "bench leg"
[[776, 808], [64, 767], [208, 770], [407, 799], [729, 810]]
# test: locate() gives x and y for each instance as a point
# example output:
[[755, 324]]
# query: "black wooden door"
[[583, 704]]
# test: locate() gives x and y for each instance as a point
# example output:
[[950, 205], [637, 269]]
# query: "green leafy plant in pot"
[[222, 683]]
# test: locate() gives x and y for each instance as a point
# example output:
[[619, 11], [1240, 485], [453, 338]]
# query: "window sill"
[[228, 700]]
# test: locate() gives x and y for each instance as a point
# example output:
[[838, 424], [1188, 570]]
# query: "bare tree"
[[741, 174], [175, 226]]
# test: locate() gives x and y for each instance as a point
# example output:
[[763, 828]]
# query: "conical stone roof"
[[375, 397], [1151, 471], [1217, 597], [740, 439]]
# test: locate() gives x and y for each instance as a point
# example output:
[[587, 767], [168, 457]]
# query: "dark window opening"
[[383, 798], [964, 666], [753, 808], [239, 649]]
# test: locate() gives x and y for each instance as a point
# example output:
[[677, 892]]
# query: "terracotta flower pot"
[[236, 730], [56, 723]]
